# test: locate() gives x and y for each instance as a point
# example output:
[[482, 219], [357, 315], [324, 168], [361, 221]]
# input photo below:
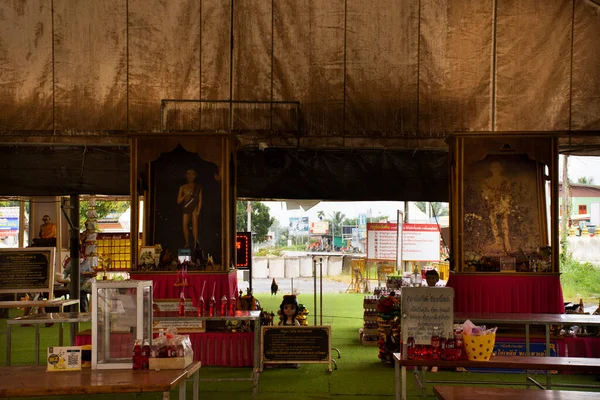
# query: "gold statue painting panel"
[[502, 206]]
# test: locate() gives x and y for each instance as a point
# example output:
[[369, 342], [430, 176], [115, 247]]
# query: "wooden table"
[[36, 381], [572, 364], [472, 393], [39, 303], [37, 320]]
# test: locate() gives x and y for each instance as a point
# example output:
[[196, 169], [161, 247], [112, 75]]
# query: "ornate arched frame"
[[469, 149], [219, 149]]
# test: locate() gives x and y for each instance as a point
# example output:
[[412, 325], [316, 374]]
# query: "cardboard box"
[[64, 358], [171, 363]]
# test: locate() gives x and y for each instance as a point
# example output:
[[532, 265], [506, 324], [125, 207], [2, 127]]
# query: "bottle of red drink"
[[442, 346], [223, 306], [232, 306], [181, 307], [137, 355], [449, 351], [146, 355], [201, 307], [434, 350], [460, 352], [211, 306], [410, 348]]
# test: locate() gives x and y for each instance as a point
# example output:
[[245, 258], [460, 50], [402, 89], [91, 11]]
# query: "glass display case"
[[121, 314]]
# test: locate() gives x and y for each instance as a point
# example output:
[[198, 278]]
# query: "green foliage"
[[579, 280], [336, 219], [261, 220], [585, 180], [103, 208]]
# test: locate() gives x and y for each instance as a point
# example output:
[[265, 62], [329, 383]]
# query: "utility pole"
[[249, 213]]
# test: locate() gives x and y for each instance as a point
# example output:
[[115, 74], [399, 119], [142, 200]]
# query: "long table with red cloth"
[[507, 293], [221, 349], [164, 284]]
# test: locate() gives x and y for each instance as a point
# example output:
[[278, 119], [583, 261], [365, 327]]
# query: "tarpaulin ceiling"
[[385, 68]]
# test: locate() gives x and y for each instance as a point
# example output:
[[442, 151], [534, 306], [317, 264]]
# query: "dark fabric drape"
[[343, 175]]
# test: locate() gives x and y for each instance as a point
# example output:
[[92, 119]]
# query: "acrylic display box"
[[121, 313]]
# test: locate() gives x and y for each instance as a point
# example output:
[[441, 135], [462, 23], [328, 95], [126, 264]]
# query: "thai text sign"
[[382, 241], [425, 308], [296, 344], [27, 270], [420, 242]]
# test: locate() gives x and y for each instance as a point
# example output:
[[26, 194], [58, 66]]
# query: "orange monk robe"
[[48, 231]]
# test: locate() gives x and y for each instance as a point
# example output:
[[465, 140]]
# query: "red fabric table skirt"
[[579, 347], [507, 293], [221, 349], [164, 285]]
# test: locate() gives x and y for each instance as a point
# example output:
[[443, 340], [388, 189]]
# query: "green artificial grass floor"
[[360, 374]]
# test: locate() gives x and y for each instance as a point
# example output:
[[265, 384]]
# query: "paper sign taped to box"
[[64, 358]]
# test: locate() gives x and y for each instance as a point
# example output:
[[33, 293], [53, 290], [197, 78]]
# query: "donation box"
[[121, 313]]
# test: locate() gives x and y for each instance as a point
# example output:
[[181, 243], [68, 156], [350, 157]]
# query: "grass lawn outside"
[[360, 374]]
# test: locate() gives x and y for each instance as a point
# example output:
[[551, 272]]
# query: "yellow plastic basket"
[[479, 348]]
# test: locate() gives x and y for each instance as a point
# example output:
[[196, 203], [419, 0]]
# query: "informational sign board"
[[319, 228], [296, 345], [419, 242], [27, 270], [243, 246], [424, 309], [382, 241]]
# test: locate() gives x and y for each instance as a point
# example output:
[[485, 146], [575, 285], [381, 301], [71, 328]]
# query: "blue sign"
[[9, 224]]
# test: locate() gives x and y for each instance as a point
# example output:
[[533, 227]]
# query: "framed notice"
[[424, 309], [27, 270], [296, 345]]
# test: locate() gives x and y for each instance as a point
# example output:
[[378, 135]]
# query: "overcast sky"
[[582, 166]]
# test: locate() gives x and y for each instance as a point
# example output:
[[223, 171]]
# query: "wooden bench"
[[472, 393], [571, 364]]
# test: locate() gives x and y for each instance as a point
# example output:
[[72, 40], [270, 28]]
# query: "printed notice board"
[[382, 241], [296, 344], [425, 308], [421, 242], [27, 270]]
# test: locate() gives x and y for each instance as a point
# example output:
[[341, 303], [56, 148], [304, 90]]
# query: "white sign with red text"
[[420, 242], [382, 241]]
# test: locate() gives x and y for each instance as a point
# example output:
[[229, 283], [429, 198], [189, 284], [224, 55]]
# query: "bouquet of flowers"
[[389, 307]]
